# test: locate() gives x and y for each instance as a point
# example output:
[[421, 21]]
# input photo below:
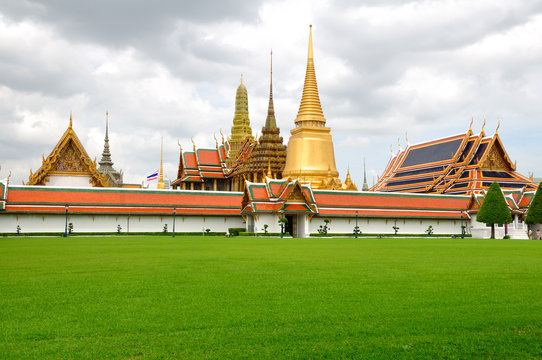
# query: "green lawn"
[[194, 297]]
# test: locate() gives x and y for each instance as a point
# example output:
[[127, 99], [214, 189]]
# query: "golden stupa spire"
[[310, 109], [310, 156], [161, 184]]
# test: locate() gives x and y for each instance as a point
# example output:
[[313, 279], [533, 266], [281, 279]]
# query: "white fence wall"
[[385, 226], [31, 223]]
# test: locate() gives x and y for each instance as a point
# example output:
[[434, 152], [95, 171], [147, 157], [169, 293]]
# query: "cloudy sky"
[[171, 68]]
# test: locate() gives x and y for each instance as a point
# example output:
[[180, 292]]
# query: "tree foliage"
[[494, 209], [534, 214]]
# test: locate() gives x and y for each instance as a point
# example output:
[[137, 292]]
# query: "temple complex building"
[[69, 165], [106, 164], [262, 158], [241, 130], [202, 169], [461, 164], [310, 156]]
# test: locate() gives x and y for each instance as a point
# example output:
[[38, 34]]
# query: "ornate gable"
[[495, 158], [68, 158]]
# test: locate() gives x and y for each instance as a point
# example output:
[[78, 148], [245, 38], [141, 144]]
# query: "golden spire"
[[310, 108], [70, 119], [161, 184], [498, 126], [348, 180], [365, 186]]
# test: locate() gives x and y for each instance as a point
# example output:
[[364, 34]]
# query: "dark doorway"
[[290, 226]]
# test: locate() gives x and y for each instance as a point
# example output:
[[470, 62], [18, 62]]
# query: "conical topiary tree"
[[494, 209], [534, 214]]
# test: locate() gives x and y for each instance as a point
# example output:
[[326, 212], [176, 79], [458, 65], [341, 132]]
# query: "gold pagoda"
[[310, 156], [241, 130]]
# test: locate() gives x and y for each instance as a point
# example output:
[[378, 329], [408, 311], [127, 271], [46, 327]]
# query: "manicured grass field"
[[213, 297]]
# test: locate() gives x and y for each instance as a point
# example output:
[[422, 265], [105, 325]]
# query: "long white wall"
[[31, 223], [306, 226], [385, 226]]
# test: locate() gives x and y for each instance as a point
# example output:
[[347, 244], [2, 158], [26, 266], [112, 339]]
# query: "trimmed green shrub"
[[235, 231], [494, 209], [534, 214]]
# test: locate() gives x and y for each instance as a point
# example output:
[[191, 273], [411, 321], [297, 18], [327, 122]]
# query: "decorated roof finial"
[[498, 126], [271, 71], [70, 119], [310, 42], [471, 121], [484, 124], [216, 141], [161, 184], [180, 147], [241, 78], [406, 138], [106, 124], [220, 131], [193, 143]]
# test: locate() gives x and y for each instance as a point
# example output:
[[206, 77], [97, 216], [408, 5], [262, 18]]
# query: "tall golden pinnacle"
[[310, 156], [241, 129], [161, 184], [310, 108]]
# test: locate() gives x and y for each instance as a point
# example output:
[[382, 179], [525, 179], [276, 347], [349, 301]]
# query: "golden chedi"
[[310, 156], [241, 130]]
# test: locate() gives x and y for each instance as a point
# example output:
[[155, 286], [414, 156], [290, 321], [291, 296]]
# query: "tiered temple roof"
[[290, 197], [461, 164], [202, 166], [273, 196], [68, 158], [46, 200]]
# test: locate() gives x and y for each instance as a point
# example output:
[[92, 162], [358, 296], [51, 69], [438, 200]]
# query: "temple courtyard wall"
[[42, 209], [51, 223]]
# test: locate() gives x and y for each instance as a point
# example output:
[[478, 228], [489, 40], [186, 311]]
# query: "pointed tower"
[[161, 184], [365, 185], [269, 155], [310, 156], [106, 164], [240, 130]]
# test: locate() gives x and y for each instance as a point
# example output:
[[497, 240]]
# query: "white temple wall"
[[69, 181], [271, 220], [482, 231], [31, 223], [385, 226]]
